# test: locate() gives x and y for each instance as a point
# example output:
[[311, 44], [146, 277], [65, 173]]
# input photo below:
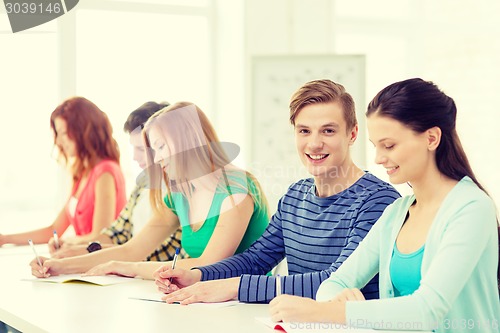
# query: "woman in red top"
[[83, 135]]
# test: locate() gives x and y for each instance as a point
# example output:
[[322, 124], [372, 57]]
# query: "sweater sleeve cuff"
[[212, 272], [256, 289], [205, 273]]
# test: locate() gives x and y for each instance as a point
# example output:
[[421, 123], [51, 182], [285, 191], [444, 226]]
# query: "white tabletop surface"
[[78, 307], [31, 306]]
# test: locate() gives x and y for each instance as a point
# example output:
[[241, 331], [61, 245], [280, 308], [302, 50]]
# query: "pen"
[[278, 285], [34, 251], [56, 240], [177, 250]]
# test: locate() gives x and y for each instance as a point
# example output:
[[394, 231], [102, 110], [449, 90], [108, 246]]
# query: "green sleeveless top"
[[194, 242]]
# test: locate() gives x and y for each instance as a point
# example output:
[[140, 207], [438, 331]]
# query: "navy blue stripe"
[[317, 235]]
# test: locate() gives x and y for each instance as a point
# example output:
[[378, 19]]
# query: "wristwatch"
[[94, 246]]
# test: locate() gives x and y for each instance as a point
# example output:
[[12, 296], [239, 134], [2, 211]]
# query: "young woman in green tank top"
[[220, 207]]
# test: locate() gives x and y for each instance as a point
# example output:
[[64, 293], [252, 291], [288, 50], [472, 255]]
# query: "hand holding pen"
[[168, 278], [30, 242], [54, 243], [177, 250], [37, 268]]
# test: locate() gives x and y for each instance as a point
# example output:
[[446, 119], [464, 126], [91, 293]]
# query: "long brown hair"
[[91, 130]]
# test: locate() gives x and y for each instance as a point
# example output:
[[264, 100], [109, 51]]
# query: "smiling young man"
[[319, 221]]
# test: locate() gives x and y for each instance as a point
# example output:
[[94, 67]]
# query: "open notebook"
[[310, 327], [104, 280], [156, 297]]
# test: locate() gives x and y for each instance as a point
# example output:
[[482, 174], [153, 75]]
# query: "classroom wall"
[[118, 54], [454, 43], [203, 50], [283, 28]]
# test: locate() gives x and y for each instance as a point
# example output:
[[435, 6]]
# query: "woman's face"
[[63, 141], [161, 150], [401, 151]]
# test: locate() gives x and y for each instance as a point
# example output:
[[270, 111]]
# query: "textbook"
[[156, 297], [311, 327], [104, 280]]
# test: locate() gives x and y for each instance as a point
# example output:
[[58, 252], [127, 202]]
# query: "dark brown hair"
[[421, 105], [139, 116]]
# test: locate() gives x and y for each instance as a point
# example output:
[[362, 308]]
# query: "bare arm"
[[104, 208], [73, 250], [138, 248], [231, 226], [228, 233], [39, 236]]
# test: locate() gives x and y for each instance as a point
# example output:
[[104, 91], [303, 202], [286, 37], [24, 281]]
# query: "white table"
[[79, 307], [74, 307]]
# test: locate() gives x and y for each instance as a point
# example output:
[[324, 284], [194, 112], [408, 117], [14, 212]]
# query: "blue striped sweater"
[[315, 234]]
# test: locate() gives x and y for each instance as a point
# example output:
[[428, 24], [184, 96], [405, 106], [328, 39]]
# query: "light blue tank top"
[[405, 271]]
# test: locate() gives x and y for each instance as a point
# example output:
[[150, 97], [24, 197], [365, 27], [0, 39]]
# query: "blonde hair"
[[197, 151], [323, 91]]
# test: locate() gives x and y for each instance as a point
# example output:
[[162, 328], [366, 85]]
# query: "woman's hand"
[[70, 251], [353, 294], [206, 292], [71, 241], [180, 277], [52, 245], [290, 308], [299, 309], [50, 267], [120, 268]]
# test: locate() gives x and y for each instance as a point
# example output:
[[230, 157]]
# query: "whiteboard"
[[274, 159]]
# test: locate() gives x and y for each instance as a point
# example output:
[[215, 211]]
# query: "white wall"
[[455, 43], [117, 54], [158, 49]]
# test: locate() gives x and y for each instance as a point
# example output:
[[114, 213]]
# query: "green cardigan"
[[458, 291]]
